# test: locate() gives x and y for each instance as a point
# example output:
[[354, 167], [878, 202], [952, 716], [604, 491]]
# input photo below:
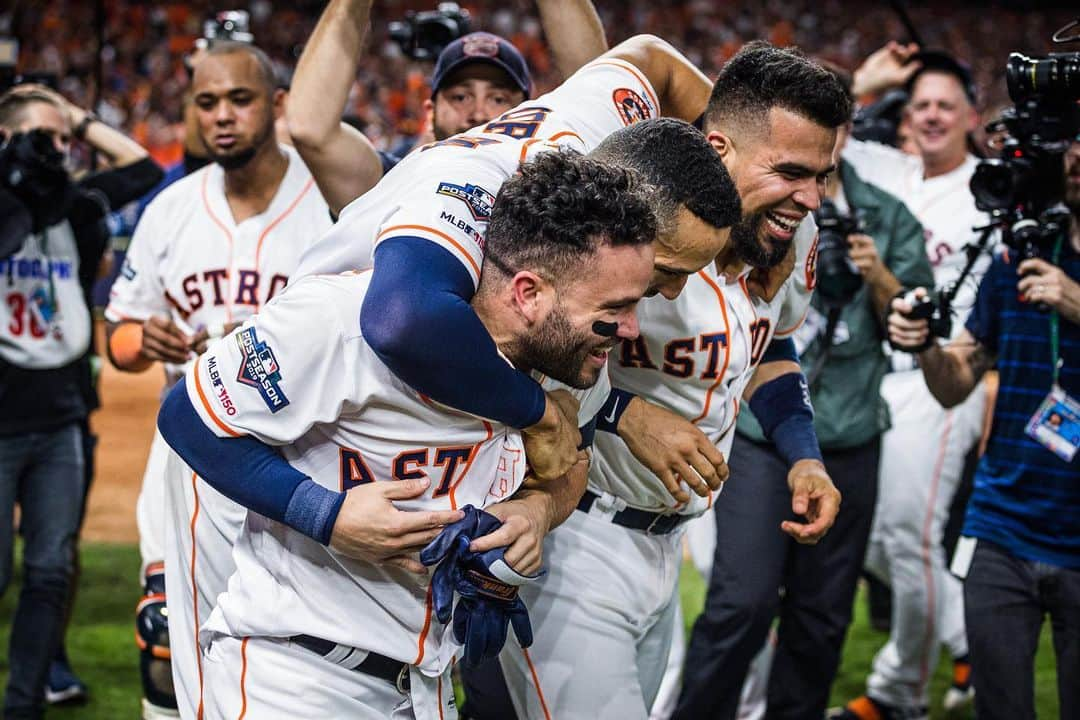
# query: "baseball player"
[[698, 357], [309, 600], [208, 253], [476, 78], [916, 488]]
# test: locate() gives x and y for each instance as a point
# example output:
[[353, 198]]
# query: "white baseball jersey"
[[695, 356], [943, 204], [46, 322], [299, 375], [189, 260], [444, 191]]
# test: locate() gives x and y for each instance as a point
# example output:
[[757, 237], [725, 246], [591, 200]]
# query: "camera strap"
[[832, 319], [1055, 324]]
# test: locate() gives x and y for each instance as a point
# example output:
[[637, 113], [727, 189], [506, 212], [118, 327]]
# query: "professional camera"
[[234, 25], [32, 171], [423, 35], [1023, 190], [838, 279]]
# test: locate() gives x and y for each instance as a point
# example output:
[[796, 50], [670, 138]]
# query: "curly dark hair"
[[555, 213], [760, 77], [683, 168]]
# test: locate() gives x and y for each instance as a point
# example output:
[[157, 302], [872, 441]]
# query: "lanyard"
[[1055, 360]]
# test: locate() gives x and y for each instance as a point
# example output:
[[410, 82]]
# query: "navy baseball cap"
[[943, 62], [482, 47]]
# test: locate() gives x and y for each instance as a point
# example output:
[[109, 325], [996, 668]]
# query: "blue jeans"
[[1005, 600], [43, 473]]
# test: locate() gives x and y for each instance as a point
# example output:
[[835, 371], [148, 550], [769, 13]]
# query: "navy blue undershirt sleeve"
[[417, 318], [781, 349], [247, 471]]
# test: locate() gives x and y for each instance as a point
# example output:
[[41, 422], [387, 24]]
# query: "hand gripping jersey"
[[189, 260], [300, 376], [695, 356], [445, 190]]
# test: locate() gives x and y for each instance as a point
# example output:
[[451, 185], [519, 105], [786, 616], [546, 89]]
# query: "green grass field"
[[102, 648]]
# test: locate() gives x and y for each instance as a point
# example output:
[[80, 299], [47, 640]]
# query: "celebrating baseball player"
[[208, 253], [385, 469], [697, 356]]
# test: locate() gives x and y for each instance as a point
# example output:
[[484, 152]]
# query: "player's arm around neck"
[[574, 31], [343, 162], [682, 89]]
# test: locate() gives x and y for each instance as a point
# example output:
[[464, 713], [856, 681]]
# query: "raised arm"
[[682, 89], [344, 163], [573, 31]]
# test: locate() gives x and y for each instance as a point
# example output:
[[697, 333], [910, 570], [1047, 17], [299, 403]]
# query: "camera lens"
[[994, 185], [1056, 77]]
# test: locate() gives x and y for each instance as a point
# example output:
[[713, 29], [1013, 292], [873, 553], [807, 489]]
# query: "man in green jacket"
[[753, 558]]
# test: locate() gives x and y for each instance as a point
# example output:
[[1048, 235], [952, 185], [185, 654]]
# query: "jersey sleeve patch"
[[259, 369], [632, 108], [478, 200]]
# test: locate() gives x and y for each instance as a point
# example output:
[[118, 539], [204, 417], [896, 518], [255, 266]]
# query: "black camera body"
[[838, 279], [231, 25], [1024, 189], [423, 35], [32, 172]]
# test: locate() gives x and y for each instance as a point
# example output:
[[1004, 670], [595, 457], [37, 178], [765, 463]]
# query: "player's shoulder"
[[184, 192], [328, 296]]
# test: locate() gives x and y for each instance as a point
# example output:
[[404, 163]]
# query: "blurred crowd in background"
[[144, 76]]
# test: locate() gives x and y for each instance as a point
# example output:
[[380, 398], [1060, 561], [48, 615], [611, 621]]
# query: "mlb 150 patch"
[[259, 369], [476, 198]]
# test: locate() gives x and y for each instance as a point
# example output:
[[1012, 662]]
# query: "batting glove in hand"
[[486, 585]]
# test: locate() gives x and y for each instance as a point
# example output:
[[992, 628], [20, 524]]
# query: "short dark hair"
[[761, 76], [557, 211], [266, 65], [681, 166]]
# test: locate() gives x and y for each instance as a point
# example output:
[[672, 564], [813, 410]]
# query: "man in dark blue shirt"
[[1021, 557]]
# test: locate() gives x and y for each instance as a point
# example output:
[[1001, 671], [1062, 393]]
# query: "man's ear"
[[532, 296], [278, 101], [723, 145]]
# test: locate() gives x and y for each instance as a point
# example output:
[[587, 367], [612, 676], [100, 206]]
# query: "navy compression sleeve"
[[417, 318], [248, 472]]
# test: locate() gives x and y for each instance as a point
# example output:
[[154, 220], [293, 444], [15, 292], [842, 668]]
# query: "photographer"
[[923, 454], [54, 237], [1024, 559], [753, 559]]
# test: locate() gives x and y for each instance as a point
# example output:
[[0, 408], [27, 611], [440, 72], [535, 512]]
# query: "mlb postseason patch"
[[632, 107], [476, 198], [259, 369]]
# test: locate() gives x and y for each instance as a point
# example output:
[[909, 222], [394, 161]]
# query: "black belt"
[[650, 522], [392, 671]]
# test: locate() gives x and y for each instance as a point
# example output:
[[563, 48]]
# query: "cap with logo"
[[486, 48]]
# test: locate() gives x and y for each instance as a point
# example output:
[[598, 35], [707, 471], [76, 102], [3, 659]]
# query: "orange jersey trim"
[[243, 679], [195, 591], [424, 632], [206, 404], [468, 465], [727, 349], [536, 684], [637, 75], [439, 233], [793, 328], [564, 133], [228, 236], [282, 216], [525, 149]]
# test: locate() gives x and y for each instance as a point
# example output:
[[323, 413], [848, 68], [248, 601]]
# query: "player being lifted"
[[569, 253]]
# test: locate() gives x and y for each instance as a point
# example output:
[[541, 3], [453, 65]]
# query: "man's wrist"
[[83, 124]]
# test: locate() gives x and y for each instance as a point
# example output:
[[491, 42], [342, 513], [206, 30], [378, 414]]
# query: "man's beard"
[[745, 236], [239, 158], [556, 350]]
